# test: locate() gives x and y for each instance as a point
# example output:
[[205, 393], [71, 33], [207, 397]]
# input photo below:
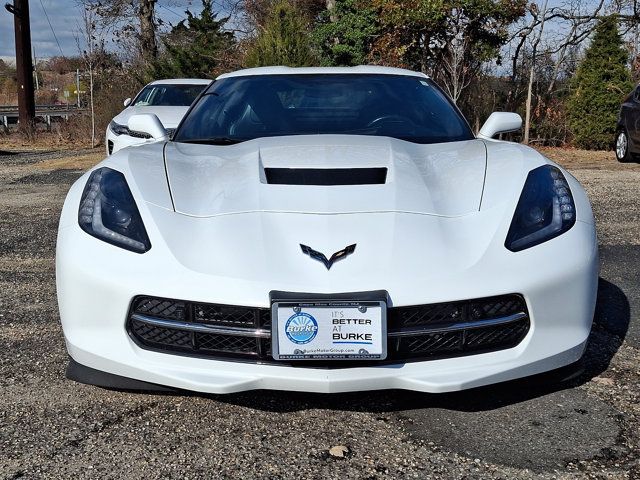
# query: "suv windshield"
[[236, 109], [168, 95]]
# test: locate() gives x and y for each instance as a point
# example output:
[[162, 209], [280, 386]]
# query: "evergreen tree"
[[602, 80], [283, 41], [344, 33], [196, 48]]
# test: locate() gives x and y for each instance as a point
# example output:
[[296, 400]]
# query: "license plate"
[[326, 330]]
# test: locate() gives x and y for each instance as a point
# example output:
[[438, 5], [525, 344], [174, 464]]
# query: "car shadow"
[[611, 322]]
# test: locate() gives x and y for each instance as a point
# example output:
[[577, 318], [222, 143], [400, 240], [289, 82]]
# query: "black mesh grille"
[[226, 315], [442, 338], [430, 344], [265, 318], [497, 307], [161, 336], [426, 315], [504, 336], [159, 307], [227, 343], [454, 312]]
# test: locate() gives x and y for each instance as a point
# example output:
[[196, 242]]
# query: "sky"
[[65, 16]]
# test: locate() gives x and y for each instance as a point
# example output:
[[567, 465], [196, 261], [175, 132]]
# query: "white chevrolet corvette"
[[324, 230]]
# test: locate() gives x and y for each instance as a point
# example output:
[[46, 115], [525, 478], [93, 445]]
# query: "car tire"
[[621, 147]]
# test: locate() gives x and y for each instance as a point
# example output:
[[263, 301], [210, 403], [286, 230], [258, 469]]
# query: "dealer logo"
[[301, 328]]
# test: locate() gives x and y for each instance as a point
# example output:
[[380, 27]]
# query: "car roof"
[[181, 81], [370, 69]]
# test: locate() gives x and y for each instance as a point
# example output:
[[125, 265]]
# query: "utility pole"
[[35, 69], [78, 85], [24, 65]]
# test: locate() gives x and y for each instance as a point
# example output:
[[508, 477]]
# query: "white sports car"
[[324, 230], [168, 100]]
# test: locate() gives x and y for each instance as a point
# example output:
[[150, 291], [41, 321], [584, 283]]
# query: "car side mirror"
[[127, 102], [500, 122], [147, 123]]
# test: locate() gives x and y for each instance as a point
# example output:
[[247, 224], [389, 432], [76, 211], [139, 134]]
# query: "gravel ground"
[[533, 428]]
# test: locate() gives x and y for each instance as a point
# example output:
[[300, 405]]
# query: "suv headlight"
[[108, 211], [544, 211], [118, 129]]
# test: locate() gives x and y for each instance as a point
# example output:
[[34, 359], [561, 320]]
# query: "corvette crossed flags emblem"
[[340, 254]]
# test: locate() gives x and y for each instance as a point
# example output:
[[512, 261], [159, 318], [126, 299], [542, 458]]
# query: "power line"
[[51, 27], [172, 11]]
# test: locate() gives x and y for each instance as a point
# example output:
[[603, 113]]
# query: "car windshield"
[[236, 109], [168, 95]]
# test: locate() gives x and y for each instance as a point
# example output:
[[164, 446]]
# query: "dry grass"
[[75, 162], [575, 159], [42, 141]]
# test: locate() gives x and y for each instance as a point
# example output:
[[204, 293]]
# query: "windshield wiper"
[[214, 141]]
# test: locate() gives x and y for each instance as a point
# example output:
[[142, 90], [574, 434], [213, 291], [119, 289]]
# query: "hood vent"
[[326, 176]]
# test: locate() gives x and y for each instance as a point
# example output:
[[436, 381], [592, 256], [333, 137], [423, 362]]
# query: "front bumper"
[[97, 282]]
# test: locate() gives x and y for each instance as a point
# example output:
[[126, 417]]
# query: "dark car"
[[627, 142]]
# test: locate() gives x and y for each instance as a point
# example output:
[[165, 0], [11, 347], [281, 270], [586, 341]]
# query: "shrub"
[[283, 41]]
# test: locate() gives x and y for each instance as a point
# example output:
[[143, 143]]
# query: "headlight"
[[545, 209], [108, 211], [118, 129]]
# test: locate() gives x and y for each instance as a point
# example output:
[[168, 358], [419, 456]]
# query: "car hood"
[[262, 248], [444, 179], [169, 116]]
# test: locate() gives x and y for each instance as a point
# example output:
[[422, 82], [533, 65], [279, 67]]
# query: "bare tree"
[[572, 23], [148, 43], [580, 27], [129, 17], [535, 41], [628, 12], [89, 37], [459, 71]]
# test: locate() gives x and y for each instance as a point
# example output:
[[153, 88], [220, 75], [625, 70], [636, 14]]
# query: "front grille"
[[135, 134], [414, 333]]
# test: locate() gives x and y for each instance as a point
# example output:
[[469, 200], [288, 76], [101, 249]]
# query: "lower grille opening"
[[414, 333]]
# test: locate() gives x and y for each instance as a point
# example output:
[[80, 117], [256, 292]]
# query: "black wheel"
[[622, 146]]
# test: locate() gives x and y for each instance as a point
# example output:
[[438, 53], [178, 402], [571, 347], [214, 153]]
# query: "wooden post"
[[24, 65]]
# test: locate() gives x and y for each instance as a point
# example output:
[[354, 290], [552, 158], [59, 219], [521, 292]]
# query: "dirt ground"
[[533, 428]]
